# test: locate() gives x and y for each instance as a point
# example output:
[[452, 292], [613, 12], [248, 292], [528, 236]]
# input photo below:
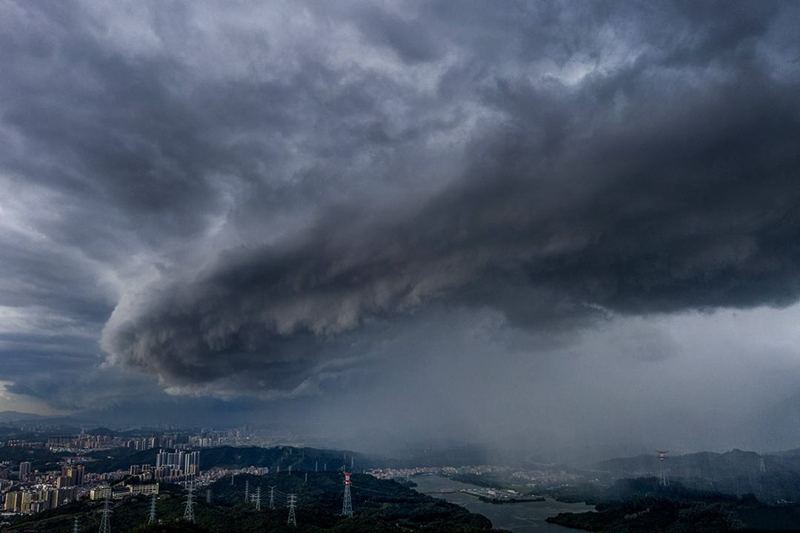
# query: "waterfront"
[[528, 517]]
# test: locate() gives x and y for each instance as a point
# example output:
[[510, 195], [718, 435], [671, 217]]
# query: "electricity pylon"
[[258, 498], [272, 498], [75, 525], [152, 519], [247, 490], [347, 504], [105, 521], [662, 480], [292, 520], [188, 513]]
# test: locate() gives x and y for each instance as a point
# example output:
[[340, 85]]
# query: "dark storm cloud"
[[288, 180]]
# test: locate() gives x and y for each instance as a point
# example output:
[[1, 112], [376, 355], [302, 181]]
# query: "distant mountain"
[[704, 464], [16, 416], [769, 477]]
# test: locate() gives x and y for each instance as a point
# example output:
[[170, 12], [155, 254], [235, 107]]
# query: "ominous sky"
[[548, 222]]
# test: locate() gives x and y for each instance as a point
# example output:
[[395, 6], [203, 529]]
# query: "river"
[[527, 517]]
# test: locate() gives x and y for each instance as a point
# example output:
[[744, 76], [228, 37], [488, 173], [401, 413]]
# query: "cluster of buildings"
[[396, 473], [31, 491], [546, 478], [34, 493], [59, 443]]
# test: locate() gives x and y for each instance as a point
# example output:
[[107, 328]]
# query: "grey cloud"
[[286, 192]]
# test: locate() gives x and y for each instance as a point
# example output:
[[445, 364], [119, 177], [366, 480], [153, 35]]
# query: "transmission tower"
[[316, 466], [762, 467], [188, 513], [232, 474], [258, 498], [105, 521], [305, 481], [292, 520], [247, 490], [271, 498], [152, 519], [352, 463], [208, 496], [75, 525], [662, 457], [347, 504]]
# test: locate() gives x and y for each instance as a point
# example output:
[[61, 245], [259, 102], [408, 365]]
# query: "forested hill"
[[771, 478], [300, 459], [379, 506]]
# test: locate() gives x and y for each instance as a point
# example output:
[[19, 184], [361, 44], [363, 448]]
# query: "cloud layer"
[[244, 199]]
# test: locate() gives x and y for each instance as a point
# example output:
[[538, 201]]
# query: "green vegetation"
[[771, 478], [491, 481], [40, 459], [641, 506], [379, 506], [231, 457]]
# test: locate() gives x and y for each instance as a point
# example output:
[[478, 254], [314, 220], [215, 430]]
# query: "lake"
[[527, 517]]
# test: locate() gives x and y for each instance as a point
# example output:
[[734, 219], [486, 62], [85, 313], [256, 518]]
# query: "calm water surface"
[[525, 517]]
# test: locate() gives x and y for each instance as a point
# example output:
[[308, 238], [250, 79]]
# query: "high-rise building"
[[191, 463], [24, 470], [13, 501], [74, 473]]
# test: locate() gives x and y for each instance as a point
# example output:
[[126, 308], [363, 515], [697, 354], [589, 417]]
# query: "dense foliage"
[[642, 506], [306, 459], [379, 506]]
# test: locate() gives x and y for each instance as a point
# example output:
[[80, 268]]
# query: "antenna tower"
[[347, 504], [188, 513], [152, 519], [105, 521], [292, 520], [662, 457]]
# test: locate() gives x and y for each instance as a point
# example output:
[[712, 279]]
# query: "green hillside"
[[305, 459], [379, 506]]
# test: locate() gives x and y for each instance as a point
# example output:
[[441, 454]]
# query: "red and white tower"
[[347, 505]]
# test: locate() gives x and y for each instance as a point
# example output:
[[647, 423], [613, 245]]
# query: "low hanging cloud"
[[259, 192]]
